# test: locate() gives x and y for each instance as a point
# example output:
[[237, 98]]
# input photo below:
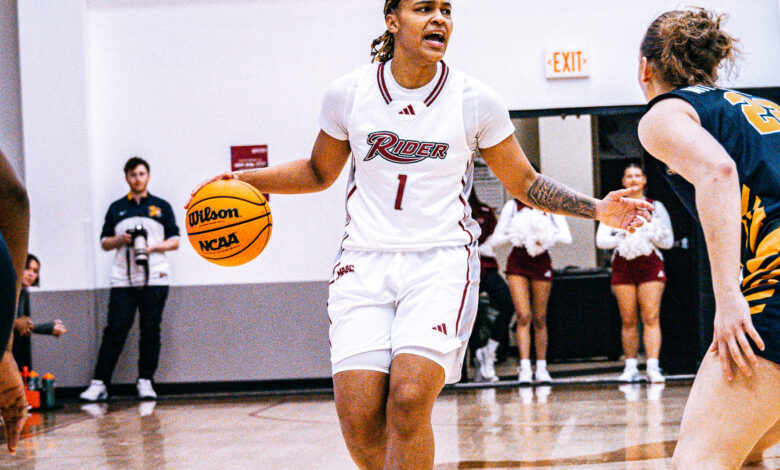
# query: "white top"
[[535, 230], [652, 237], [411, 169]]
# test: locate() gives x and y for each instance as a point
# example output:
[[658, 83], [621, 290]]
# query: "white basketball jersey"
[[411, 167]]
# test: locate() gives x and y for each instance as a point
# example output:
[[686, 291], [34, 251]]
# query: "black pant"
[[122, 305], [500, 299]]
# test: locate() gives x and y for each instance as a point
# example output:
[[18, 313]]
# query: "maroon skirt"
[[536, 268], [638, 270]]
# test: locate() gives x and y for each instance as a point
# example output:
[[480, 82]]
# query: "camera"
[[138, 244]]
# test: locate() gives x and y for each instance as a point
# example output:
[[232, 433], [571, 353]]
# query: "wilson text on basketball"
[[207, 215]]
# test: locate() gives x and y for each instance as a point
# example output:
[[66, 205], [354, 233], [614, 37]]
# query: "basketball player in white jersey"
[[404, 289]]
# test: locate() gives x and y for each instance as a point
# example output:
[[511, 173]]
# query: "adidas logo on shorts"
[[441, 328]]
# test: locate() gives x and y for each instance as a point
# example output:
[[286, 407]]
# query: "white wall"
[[179, 82], [565, 148], [10, 105]]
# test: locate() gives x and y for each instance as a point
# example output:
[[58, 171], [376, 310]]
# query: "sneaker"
[[485, 372], [542, 376], [95, 392], [524, 376], [145, 390], [655, 376], [629, 375]]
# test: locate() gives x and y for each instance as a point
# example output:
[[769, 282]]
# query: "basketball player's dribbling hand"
[[619, 211], [732, 322], [13, 404], [223, 176]]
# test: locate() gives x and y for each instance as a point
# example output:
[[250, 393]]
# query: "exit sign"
[[566, 63]]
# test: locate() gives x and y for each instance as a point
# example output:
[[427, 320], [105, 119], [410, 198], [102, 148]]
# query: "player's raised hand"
[[619, 211], [223, 176]]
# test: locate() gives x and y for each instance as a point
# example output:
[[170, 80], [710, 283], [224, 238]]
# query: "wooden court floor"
[[562, 427]]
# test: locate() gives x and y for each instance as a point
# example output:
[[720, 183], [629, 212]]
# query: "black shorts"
[[767, 323]]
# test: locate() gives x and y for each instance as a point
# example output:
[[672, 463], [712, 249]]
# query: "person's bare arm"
[[510, 165], [117, 241], [671, 132], [317, 173], [165, 245]]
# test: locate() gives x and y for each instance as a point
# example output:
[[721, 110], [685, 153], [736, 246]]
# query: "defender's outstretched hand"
[[13, 404], [223, 176], [619, 211]]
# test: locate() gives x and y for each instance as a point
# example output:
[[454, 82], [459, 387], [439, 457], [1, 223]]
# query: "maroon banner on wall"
[[248, 157]]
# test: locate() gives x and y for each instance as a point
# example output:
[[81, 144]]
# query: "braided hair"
[[383, 46]]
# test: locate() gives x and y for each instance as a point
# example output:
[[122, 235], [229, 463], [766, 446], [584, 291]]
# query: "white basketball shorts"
[[384, 303]]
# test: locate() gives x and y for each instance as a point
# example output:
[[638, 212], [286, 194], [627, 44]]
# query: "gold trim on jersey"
[[762, 268]]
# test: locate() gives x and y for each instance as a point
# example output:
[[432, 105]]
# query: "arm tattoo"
[[551, 196]]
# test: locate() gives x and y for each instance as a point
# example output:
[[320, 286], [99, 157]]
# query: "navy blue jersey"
[[156, 216], [748, 127]]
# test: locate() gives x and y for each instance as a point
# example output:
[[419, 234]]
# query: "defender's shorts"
[[767, 323], [421, 303], [536, 268], [638, 270]]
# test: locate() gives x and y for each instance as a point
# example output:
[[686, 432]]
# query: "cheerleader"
[[638, 278], [529, 275]]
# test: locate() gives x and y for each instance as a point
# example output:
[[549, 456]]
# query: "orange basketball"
[[229, 222]]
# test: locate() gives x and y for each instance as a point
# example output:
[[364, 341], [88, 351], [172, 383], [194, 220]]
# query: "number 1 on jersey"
[[400, 194]]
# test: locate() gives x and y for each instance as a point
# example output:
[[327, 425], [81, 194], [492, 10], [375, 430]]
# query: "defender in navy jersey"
[[14, 233], [403, 293], [723, 147]]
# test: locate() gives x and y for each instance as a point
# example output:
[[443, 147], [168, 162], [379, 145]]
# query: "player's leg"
[[361, 399], [437, 305], [769, 439], [649, 295], [415, 382], [629, 333], [521, 298], [724, 420], [540, 297], [361, 312]]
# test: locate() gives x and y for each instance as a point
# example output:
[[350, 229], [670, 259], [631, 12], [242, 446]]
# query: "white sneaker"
[[525, 376], [629, 375], [145, 390], [95, 392], [655, 376], [542, 376], [486, 371]]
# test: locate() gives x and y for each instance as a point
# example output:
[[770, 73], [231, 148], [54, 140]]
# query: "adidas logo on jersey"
[[394, 149], [409, 110]]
